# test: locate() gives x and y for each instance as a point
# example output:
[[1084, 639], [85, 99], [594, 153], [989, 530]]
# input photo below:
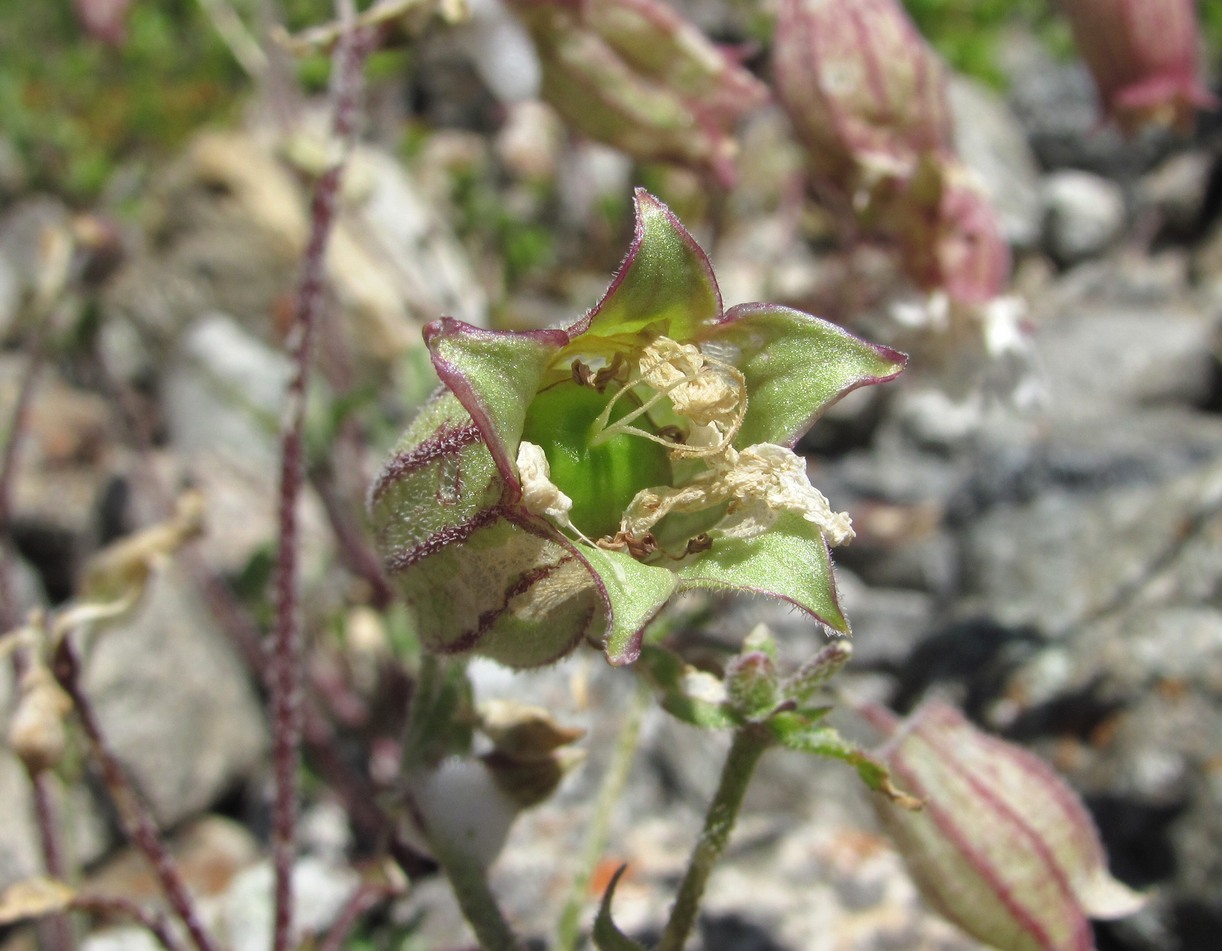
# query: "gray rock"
[[67, 467], [178, 706], [888, 623], [1133, 721], [223, 398], [1173, 194], [993, 143], [1090, 518], [36, 245], [24, 586], [246, 910], [228, 227], [1085, 345], [224, 392], [1207, 265], [1083, 215]]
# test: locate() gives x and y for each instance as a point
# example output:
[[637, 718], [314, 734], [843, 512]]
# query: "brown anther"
[[701, 542], [582, 375], [608, 373], [639, 547]]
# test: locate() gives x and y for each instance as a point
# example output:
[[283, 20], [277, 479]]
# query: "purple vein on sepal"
[[964, 844], [405, 557], [447, 441]]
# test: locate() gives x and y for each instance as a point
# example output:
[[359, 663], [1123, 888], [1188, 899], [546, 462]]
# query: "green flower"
[[564, 484]]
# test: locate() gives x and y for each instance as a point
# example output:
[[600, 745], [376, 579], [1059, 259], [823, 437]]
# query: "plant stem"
[[748, 746], [134, 815], [152, 921], [286, 674], [469, 882], [57, 929], [568, 930], [363, 899]]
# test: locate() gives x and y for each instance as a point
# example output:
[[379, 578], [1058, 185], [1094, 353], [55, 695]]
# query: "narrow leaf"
[[608, 937], [33, 898], [689, 695], [797, 732]]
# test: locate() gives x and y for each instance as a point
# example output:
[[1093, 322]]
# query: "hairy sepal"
[[478, 572]]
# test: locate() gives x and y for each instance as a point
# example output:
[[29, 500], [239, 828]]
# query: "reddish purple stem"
[[138, 824], [152, 922], [286, 673]]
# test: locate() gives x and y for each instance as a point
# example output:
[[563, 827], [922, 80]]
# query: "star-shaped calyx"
[[565, 484]]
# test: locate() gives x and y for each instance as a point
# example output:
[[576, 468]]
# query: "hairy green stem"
[[568, 930], [436, 701], [749, 745], [469, 882]]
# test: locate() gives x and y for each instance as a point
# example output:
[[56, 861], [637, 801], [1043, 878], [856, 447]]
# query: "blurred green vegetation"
[[74, 107], [969, 33], [1211, 25]]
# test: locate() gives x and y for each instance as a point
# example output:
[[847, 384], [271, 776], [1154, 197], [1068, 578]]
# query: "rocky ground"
[[1039, 539]]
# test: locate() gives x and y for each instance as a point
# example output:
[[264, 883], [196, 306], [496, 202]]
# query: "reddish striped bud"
[[1143, 56], [1003, 847], [636, 75], [868, 98], [865, 93]]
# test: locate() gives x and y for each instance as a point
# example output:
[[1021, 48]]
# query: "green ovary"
[[601, 480]]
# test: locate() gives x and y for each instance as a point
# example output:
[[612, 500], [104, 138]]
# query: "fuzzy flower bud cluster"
[[868, 99]]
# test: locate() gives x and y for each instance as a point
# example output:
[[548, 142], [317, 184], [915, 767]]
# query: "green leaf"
[[634, 593], [666, 280], [789, 561], [608, 937], [495, 376], [802, 733], [813, 675], [796, 367], [672, 677]]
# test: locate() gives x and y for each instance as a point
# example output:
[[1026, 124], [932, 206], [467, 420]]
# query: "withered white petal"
[[540, 495]]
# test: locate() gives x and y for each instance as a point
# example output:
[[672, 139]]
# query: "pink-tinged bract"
[[636, 75], [865, 93]]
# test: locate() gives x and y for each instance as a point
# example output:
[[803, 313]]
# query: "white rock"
[[1083, 215]]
